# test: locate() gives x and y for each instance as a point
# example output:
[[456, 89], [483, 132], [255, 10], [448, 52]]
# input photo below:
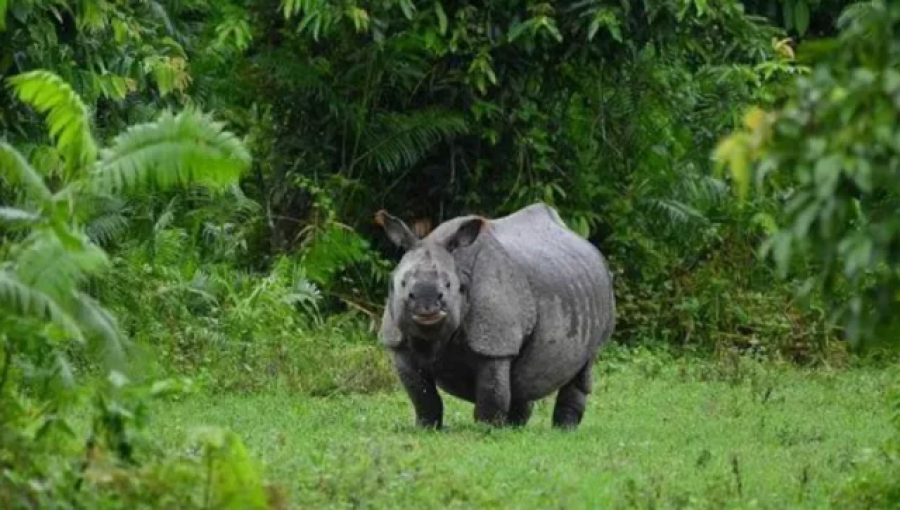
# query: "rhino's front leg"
[[492, 392], [421, 389]]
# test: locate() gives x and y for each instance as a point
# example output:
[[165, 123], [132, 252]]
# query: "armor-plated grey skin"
[[498, 312]]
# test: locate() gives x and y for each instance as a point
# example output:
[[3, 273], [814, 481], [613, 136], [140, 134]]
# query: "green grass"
[[657, 434]]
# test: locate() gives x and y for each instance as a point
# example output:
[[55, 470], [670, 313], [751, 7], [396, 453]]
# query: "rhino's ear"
[[466, 234], [396, 230]]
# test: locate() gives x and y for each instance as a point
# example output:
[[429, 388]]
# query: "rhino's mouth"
[[429, 319]]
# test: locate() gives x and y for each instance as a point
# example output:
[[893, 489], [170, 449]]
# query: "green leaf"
[[97, 321], [4, 5], [801, 16], [518, 29], [26, 301], [68, 118], [788, 13], [442, 17], [826, 173], [168, 387], [765, 221], [781, 251], [175, 150], [398, 141], [17, 171], [408, 8], [56, 269], [14, 215], [858, 252], [118, 379]]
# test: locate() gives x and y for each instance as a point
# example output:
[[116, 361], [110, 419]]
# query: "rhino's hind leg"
[[572, 398], [519, 413]]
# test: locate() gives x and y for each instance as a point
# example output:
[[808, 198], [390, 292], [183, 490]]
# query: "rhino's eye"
[[447, 285], [403, 283]]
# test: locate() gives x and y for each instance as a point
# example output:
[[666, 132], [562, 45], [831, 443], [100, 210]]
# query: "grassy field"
[[657, 434]]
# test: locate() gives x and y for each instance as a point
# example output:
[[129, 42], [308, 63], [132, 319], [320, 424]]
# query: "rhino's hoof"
[[567, 419]]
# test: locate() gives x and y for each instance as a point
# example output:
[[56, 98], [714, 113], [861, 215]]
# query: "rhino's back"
[[573, 291]]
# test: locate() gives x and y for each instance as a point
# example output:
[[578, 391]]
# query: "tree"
[[833, 152]]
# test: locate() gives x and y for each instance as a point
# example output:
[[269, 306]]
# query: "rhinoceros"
[[498, 312]]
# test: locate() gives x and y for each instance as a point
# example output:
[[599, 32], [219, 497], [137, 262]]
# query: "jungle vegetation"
[[187, 191]]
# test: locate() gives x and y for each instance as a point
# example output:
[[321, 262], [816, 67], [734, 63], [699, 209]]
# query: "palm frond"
[[105, 217], [705, 191], [19, 172], [47, 265], [23, 300], [396, 141], [68, 118], [105, 228], [167, 217], [174, 150], [858, 11], [15, 215], [97, 321]]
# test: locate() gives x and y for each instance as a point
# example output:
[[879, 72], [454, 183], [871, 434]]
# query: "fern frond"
[[17, 171], [23, 300], [180, 149], [677, 213], [68, 118], [396, 141]]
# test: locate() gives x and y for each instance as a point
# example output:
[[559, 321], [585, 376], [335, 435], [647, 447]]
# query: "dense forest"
[[189, 188]]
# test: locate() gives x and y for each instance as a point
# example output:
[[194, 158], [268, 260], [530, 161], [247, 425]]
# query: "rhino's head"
[[428, 290]]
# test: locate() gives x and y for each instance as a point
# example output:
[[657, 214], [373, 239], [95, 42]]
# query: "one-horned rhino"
[[499, 312]]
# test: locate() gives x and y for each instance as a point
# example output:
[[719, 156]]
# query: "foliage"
[[264, 273], [605, 110], [122, 466], [49, 262], [44, 307], [832, 152], [805, 18], [235, 331]]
